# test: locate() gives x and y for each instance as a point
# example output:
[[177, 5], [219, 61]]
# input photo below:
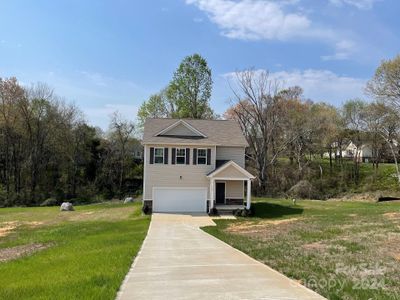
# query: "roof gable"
[[181, 128], [206, 132], [230, 170]]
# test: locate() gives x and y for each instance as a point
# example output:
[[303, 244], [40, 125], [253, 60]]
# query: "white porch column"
[[212, 189], [248, 202]]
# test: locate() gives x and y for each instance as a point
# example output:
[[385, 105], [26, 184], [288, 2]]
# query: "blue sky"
[[111, 55]]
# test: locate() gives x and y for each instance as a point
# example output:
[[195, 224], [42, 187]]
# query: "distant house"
[[363, 153]]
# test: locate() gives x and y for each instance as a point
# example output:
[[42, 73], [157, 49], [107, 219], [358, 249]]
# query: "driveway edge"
[[128, 274], [295, 283]]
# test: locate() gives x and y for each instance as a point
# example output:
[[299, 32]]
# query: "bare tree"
[[256, 106], [382, 120]]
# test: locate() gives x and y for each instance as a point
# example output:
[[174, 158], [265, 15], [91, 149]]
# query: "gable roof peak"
[[182, 122], [216, 132]]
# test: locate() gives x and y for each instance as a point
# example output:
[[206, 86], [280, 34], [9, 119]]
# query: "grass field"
[[342, 250], [85, 254]]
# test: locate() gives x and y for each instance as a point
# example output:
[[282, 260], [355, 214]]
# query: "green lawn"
[[342, 250], [83, 254]]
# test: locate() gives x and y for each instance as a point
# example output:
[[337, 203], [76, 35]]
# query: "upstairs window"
[[201, 156], [180, 156], [158, 155]]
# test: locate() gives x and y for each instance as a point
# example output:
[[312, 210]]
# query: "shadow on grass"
[[269, 210]]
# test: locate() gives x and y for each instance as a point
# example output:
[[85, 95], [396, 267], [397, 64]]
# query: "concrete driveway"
[[180, 261]]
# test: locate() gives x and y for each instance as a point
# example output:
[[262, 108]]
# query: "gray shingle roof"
[[218, 132]]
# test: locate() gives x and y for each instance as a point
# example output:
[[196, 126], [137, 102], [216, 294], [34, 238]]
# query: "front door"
[[220, 193]]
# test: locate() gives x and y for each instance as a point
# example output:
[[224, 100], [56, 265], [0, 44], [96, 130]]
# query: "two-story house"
[[194, 165]]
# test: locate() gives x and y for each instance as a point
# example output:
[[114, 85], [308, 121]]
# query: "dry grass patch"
[[11, 253], [7, 228], [317, 246], [265, 229], [49, 216], [392, 215], [245, 226]]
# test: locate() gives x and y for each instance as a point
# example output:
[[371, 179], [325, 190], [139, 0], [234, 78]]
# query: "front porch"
[[227, 188]]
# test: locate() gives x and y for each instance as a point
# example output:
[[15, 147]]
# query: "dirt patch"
[[277, 222], [396, 256], [264, 230], [7, 227], [316, 246], [11, 253], [251, 226], [111, 214], [392, 215]]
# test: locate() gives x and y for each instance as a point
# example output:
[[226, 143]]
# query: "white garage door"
[[179, 199]]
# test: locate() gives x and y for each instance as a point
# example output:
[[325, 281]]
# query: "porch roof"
[[230, 170]]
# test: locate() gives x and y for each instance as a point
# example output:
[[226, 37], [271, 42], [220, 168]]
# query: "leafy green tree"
[[157, 106], [190, 89], [187, 95]]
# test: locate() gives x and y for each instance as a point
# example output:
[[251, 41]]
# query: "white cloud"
[[343, 50], [360, 4], [320, 85], [256, 19], [278, 20]]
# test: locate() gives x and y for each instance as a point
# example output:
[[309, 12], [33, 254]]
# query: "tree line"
[[289, 135], [49, 153]]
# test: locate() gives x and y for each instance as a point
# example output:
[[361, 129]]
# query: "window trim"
[[155, 156], [176, 156], [205, 156]]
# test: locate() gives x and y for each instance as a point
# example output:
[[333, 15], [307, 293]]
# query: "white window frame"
[[163, 153], [176, 156], [205, 156]]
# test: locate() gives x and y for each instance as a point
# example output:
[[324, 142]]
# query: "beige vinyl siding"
[[180, 130], [230, 172], [235, 154], [234, 189], [169, 175]]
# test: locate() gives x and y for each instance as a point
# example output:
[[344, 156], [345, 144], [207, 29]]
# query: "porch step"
[[228, 209]]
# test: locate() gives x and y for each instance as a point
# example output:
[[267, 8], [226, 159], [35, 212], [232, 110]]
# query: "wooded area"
[[48, 153], [290, 135]]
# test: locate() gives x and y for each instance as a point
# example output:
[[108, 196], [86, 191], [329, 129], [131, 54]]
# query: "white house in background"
[[363, 153], [194, 165]]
